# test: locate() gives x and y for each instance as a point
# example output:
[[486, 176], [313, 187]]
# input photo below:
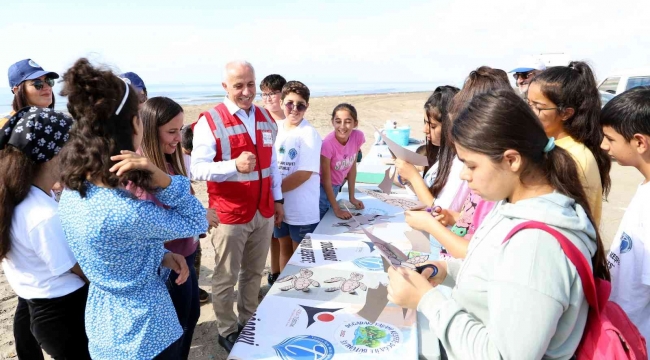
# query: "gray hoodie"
[[521, 300]]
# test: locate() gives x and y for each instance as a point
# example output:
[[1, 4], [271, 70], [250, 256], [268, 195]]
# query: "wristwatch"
[[281, 201]]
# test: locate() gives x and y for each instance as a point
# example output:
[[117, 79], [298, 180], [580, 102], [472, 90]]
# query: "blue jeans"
[[323, 203], [185, 298], [296, 232]]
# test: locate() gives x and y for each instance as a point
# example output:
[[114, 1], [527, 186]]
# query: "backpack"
[[609, 333]]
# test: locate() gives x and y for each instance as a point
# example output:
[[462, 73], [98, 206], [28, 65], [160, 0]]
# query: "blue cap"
[[27, 70], [133, 79]]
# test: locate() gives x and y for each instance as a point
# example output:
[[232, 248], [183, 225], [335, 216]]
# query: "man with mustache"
[[526, 72], [233, 152]]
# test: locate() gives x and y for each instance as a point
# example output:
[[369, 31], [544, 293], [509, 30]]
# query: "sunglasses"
[[290, 106], [38, 83], [523, 76]]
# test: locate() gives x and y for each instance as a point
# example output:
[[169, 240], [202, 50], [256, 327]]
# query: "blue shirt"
[[118, 242]]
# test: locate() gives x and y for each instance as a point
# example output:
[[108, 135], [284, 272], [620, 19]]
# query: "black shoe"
[[229, 341], [272, 277], [204, 297]]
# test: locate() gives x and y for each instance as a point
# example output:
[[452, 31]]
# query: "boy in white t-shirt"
[[297, 147], [626, 125]]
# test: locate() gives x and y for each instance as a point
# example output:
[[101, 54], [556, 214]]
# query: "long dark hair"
[[500, 120], [94, 95], [20, 97], [574, 86], [155, 113], [479, 81], [436, 108], [18, 172]]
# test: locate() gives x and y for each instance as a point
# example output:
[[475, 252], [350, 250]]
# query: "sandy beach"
[[406, 109]]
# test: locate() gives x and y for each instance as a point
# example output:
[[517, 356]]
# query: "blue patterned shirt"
[[118, 241]]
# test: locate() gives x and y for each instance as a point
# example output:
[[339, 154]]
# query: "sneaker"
[[204, 297], [272, 277]]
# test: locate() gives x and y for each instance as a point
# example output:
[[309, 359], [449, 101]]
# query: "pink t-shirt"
[[342, 157]]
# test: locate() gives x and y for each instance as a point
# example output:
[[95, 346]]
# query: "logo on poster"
[[305, 347], [372, 263], [323, 315], [247, 335], [364, 337], [375, 211]]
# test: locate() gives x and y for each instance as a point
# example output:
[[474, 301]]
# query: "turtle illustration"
[[300, 281], [348, 285]]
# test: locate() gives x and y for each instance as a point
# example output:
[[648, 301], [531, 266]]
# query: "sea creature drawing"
[[300, 281], [348, 285]]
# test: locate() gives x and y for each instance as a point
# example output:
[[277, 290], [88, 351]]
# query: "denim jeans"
[[185, 298], [323, 203]]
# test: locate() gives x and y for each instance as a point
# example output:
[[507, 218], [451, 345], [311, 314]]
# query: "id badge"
[[267, 138]]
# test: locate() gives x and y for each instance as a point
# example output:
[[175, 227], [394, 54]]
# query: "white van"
[[625, 80]]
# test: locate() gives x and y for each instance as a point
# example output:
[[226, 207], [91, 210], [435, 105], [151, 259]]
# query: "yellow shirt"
[[588, 172]]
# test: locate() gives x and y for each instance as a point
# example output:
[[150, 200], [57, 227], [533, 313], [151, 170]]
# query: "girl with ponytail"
[[117, 238], [566, 100], [523, 298]]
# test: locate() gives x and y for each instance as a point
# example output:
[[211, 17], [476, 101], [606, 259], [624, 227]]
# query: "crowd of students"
[[110, 271]]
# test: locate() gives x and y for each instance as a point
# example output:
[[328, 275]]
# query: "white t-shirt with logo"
[[629, 261], [298, 149], [39, 261]]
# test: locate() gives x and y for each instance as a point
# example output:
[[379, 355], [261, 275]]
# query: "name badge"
[[267, 138]]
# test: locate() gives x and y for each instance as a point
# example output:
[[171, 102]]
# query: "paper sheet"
[[419, 241], [406, 204], [372, 309], [403, 153], [387, 184]]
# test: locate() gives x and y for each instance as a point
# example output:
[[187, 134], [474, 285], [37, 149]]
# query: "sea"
[[212, 93]]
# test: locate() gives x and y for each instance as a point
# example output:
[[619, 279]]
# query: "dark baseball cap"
[[134, 80], [27, 70]]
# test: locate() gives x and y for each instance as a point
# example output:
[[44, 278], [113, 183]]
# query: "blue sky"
[[188, 42]]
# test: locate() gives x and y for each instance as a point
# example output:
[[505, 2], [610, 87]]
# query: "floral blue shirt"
[[118, 242]]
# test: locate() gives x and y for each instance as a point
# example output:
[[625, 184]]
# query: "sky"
[[370, 41]]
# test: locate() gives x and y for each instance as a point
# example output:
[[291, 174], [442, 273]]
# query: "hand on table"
[[342, 214], [358, 204]]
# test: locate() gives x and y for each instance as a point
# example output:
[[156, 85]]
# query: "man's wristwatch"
[[281, 201]]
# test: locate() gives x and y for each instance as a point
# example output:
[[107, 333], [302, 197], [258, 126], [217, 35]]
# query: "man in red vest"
[[233, 152]]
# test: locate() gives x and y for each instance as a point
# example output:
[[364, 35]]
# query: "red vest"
[[237, 199]]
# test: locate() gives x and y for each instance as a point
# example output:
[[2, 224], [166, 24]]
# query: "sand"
[[406, 109]]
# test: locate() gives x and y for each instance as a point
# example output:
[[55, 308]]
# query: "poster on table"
[[301, 329], [348, 252], [352, 253], [326, 284]]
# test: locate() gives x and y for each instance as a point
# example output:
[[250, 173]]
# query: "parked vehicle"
[[625, 80]]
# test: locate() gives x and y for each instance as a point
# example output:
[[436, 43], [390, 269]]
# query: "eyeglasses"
[[38, 83], [524, 76], [267, 95], [299, 107], [539, 110]]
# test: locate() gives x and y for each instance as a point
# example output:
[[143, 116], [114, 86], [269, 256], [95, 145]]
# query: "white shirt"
[[298, 149], [39, 262], [204, 150], [455, 191], [629, 261]]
